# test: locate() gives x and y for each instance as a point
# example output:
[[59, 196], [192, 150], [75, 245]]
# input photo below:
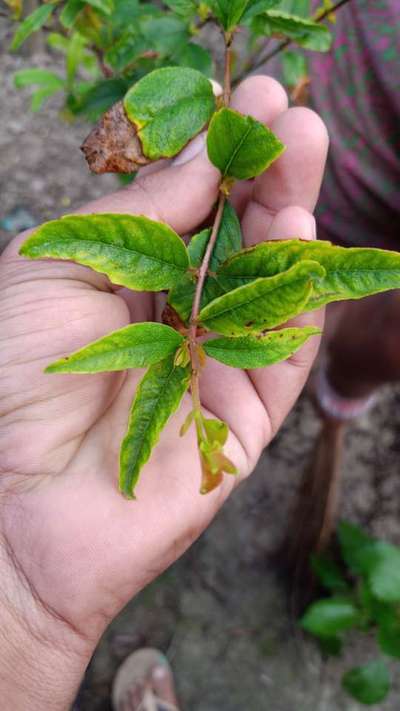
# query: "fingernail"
[[193, 149]]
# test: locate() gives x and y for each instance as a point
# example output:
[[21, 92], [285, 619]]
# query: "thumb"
[[181, 195]]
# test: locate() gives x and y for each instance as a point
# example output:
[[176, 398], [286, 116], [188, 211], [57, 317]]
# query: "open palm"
[[80, 548]]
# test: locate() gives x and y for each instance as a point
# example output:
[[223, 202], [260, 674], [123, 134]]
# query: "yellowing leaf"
[[132, 251], [239, 146], [135, 346], [350, 272], [264, 303], [257, 352], [169, 107], [158, 397]]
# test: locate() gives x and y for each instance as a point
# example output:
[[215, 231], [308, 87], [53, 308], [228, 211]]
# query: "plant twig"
[[106, 71], [202, 274], [282, 45]]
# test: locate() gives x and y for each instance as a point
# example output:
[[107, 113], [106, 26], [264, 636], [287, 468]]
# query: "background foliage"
[[108, 45]]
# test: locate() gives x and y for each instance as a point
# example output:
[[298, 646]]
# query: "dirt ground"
[[220, 614]]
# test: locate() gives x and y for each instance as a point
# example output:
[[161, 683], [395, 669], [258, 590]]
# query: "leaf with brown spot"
[[113, 146]]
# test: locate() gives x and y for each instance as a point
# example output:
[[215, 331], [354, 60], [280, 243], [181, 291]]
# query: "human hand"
[[72, 550]]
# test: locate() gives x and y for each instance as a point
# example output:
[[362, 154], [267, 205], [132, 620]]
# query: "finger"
[[279, 385], [294, 179]]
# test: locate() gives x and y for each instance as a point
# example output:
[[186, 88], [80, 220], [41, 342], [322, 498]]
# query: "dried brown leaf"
[[113, 146]]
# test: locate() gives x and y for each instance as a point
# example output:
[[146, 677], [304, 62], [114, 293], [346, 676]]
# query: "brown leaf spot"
[[171, 318], [114, 146]]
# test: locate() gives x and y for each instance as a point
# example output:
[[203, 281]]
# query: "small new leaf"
[[257, 352], [212, 435], [264, 303], [369, 684], [135, 346], [158, 397], [350, 272], [135, 252], [239, 146], [168, 108]]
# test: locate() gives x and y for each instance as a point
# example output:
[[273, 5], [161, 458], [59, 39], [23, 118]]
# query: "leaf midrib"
[[329, 272], [113, 246], [237, 149], [154, 114], [150, 421], [251, 350], [146, 344]]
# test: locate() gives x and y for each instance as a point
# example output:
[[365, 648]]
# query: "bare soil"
[[220, 613]]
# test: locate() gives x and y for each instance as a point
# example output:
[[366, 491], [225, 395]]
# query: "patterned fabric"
[[356, 90]]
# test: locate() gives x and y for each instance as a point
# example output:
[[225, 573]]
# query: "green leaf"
[[353, 544], [129, 47], [301, 8], [132, 251], [240, 146], [294, 68], [169, 107], [229, 241], [326, 618], [217, 432], [105, 6], [41, 95], [165, 34], [378, 561], [40, 77], [351, 272], [256, 7], [100, 97], [369, 684], [263, 304], [258, 352], [31, 24], [158, 397], [389, 631], [229, 12], [382, 563], [328, 573], [196, 57], [75, 51], [70, 12], [304, 32], [135, 346], [183, 8]]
